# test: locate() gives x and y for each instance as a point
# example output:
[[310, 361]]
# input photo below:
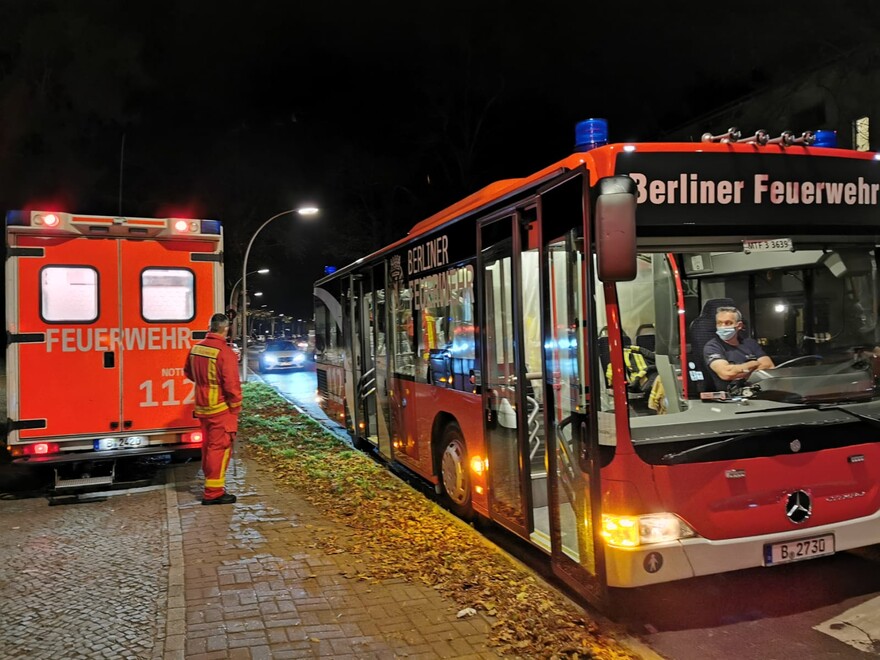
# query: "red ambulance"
[[101, 312]]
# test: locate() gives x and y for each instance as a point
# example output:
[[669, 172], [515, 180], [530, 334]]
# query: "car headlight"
[[299, 358], [632, 531], [270, 359]]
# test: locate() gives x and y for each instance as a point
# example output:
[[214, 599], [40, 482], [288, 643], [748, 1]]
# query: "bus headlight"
[[632, 531]]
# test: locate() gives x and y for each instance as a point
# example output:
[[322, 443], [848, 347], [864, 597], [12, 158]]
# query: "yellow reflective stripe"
[[221, 481], [213, 385], [211, 410]]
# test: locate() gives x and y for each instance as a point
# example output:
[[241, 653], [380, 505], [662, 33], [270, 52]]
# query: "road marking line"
[[859, 626]]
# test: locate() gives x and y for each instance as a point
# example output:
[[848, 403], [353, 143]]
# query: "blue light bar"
[[329, 270], [18, 218], [210, 226], [825, 139], [590, 133]]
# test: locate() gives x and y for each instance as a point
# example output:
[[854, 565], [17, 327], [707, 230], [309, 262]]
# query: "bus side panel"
[[720, 507], [72, 378], [331, 390], [465, 407], [156, 394]]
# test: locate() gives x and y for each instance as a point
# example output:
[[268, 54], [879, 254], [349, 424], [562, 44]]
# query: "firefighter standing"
[[213, 367]]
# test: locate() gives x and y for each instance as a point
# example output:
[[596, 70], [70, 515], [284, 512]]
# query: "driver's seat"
[[702, 329]]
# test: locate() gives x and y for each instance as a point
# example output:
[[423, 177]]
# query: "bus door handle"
[[109, 359]]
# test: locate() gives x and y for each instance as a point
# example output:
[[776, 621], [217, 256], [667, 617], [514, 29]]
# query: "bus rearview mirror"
[[616, 235]]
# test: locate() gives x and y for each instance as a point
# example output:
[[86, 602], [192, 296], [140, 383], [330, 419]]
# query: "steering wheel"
[[799, 359]]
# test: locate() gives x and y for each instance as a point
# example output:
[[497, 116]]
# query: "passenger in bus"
[[732, 355], [213, 367]]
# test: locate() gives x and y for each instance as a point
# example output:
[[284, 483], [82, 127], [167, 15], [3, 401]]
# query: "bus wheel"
[[454, 475]]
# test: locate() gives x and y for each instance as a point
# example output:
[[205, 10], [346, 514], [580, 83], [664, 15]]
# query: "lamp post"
[[309, 210], [262, 271], [232, 301]]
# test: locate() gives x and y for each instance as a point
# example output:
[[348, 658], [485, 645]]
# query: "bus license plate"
[[768, 245], [782, 553]]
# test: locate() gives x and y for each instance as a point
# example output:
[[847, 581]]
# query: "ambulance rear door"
[[65, 322], [168, 296]]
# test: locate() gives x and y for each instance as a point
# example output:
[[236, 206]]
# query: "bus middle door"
[[503, 417]]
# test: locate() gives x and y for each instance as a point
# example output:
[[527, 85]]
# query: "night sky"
[[379, 113]]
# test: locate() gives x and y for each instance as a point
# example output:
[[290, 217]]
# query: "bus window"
[[403, 335], [651, 346], [446, 328]]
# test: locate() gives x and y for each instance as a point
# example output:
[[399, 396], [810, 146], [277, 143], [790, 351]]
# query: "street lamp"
[[308, 210], [262, 271]]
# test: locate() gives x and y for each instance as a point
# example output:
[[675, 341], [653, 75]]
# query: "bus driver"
[[732, 355]]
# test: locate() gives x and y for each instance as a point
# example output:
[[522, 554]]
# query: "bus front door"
[[569, 416]]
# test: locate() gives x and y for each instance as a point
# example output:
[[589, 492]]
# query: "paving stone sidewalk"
[[248, 580]]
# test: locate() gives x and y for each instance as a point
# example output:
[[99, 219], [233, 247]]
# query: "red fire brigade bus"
[[100, 315], [536, 351]]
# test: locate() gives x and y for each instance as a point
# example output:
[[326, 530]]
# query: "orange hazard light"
[[192, 438]]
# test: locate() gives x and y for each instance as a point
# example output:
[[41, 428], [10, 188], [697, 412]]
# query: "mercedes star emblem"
[[798, 507]]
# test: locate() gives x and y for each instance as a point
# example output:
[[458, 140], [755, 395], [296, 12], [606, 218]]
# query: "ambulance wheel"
[[454, 475]]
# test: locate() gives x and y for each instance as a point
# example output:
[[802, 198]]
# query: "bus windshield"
[[811, 308]]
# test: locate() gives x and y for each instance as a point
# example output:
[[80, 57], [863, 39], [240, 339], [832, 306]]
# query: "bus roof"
[[600, 162]]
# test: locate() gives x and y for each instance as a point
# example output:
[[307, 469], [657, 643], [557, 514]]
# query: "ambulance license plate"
[[105, 444], [789, 551]]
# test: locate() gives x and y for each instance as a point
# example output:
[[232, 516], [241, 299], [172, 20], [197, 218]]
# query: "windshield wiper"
[[676, 457]]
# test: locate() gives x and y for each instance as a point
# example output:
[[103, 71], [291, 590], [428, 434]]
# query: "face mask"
[[726, 333]]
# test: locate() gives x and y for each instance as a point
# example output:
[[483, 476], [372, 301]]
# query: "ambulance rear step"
[[87, 481]]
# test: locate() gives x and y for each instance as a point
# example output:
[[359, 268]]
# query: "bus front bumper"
[[679, 560]]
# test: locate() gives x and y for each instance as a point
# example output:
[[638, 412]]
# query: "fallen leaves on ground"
[[402, 534]]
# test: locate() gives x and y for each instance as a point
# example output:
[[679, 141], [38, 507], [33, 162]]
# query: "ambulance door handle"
[[126, 424], [114, 426], [109, 359]]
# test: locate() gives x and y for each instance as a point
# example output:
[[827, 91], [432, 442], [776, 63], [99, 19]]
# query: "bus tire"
[[454, 475]]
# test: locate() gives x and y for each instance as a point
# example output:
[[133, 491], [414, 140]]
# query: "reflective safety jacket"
[[213, 367]]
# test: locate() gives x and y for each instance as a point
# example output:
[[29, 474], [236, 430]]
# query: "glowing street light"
[[307, 211], [262, 271]]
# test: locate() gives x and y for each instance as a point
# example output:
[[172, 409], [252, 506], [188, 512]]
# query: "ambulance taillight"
[[47, 220], [41, 449], [193, 438]]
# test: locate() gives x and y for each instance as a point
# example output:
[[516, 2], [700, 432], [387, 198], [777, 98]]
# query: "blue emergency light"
[[17, 218], [825, 139], [590, 133], [329, 270], [210, 226]]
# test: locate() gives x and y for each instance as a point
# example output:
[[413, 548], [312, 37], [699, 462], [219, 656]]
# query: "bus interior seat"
[[701, 330], [645, 337]]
